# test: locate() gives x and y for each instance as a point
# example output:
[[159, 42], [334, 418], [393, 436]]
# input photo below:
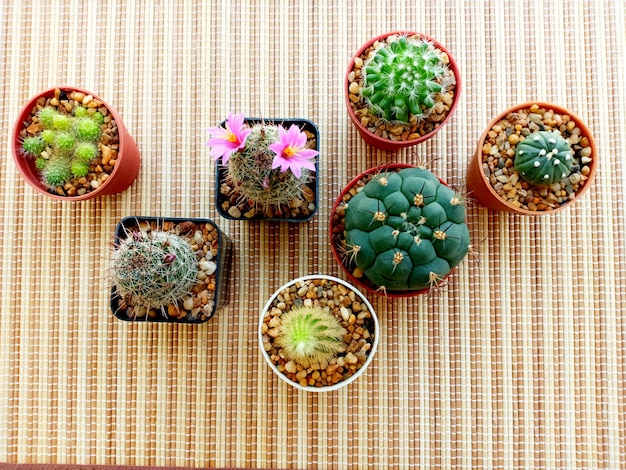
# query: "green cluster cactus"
[[310, 335], [153, 269], [66, 144], [250, 171], [406, 230], [402, 79], [543, 157]]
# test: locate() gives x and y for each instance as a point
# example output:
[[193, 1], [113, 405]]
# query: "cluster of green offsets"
[[251, 174], [153, 269], [406, 230], [66, 144], [402, 79], [543, 157]]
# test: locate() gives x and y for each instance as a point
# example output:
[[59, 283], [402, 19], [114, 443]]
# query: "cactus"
[[402, 79], [310, 335], [543, 157], [66, 144], [153, 269], [250, 171], [406, 230]]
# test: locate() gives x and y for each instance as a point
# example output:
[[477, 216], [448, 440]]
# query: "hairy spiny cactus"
[[250, 171], [153, 269], [310, 335], [406, 230], [402, 79], [543, 157], [66, 144]]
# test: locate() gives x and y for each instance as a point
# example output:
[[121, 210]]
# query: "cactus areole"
[[406, 230]]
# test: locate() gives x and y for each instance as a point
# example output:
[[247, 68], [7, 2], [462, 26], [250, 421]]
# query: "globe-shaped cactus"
[[406, 230], [543, 157], [402, 79], [153, 269]]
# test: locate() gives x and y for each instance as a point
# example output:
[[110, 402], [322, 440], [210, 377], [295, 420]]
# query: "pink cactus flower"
[[290, 151], [228, 140]]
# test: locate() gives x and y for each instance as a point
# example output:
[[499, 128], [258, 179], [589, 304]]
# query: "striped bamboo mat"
[[519, 362]]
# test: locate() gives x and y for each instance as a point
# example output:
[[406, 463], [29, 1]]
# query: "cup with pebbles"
[[400, 89], [534, 158], [168, 270], [318, 333], [266, 169], [69, 144]]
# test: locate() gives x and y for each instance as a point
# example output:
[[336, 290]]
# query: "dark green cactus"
[[406, 230], [402, 79], [543, 157]]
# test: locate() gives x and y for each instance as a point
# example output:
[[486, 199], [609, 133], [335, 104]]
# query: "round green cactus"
[[34, 145], [86, 129], [406, 230], [402, 79], [543, 157], [46, 117], [250, 171], [310, 335], [57, 171], [153, 269]]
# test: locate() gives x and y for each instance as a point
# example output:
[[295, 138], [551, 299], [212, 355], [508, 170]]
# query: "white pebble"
[[208, 267], [188, 303]]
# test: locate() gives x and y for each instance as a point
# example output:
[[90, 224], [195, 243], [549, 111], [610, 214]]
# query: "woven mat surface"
[[520, 360]]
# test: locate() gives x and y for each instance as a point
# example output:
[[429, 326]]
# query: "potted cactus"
[[400, 89], [399, 230], [534, 158], [266, 169], [70, 145], [168, 270], [318, 333]]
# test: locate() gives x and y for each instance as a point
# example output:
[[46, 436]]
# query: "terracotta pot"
[[482, 191], [128, 158], [336, 236], [392, 145], [221, 260], [346, 381], [312, 184]]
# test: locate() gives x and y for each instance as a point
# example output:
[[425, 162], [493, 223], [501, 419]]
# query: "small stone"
[[188, 303], [233, 211], [208, 267]]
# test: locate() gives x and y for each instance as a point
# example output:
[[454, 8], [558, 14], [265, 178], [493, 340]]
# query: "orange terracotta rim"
[[386, 144], [481, 190], [369, 287], [122, 176]]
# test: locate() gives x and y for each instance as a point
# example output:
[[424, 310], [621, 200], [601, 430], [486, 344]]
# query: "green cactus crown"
[[406, 230], [65, 145], [402, 79], [310, 335], [543, 157]]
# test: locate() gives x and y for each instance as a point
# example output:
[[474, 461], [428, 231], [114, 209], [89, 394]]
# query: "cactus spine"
[[406, 230], [402, 79], [543, 157], [310, 335], [250, 171], [153, 269]]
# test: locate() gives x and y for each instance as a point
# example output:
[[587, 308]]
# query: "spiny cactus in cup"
[[543, 157], [406, 230], [310, 335], [153, 269], [65, 145], [403, 78]]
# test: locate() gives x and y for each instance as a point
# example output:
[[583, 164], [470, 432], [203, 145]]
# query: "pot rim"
[[338, 385], [475, 167], [387, 144]]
